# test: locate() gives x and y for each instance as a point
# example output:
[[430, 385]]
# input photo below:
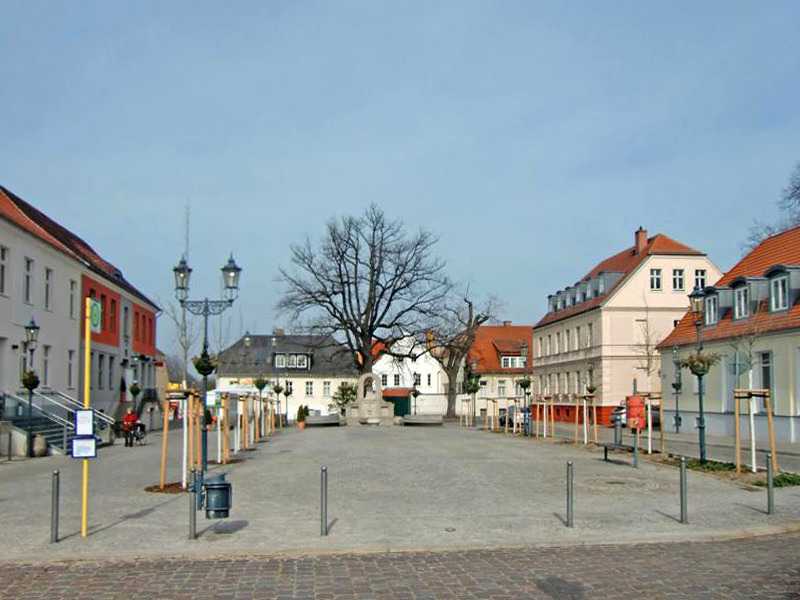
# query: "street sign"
[[96, 316], [85, 447], [84, 422]]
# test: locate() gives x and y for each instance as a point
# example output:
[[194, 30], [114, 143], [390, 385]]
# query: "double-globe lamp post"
[[30, 381], [206, 308], [697, 298]]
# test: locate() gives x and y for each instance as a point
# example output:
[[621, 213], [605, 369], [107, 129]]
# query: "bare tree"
[[647, 349], [789, 207], [453, 336], [187, 332], [745, 357], [368, 282]]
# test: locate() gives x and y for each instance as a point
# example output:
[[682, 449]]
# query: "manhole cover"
[[449, 529]]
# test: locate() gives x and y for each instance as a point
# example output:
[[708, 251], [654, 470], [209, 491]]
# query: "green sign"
[[96, 316]]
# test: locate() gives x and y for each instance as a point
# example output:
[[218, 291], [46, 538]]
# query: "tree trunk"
[[452, 392]]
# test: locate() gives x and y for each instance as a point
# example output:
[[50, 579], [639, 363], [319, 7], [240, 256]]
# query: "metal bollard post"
[[684, 493], [617, 433], [569, 494], [323, 501], [636, 447], [770, 487], [54, 498], [192, 504]]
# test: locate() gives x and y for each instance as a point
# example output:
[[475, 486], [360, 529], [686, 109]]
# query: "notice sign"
[[84, 422], [84, 447], [96, 315]]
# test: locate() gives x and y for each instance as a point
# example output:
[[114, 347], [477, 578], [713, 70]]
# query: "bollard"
[[617, 433], [54, 508], [323, 480], [569, 493], [770, 487], [636, 448], [192, 503], [684, 493]]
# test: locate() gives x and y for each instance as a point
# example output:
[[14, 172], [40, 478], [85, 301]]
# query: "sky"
[[532, 137]]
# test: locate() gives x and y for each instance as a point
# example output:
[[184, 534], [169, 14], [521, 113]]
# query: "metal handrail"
[[79, 406], [70, 410], [53, 417]]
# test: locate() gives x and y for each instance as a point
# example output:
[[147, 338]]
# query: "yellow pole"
[[87, 374]]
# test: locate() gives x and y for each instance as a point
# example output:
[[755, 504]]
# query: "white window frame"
[[655, 280], [501, 388], [302, 361], [417, 379], [700, 278], [505, 362], [280, 361], [779, 293], [589, 335], [73, 290], [430, 380], [292, 362], [712, 310], [48, 285], [46, 365], [678, 281], [309, 388], [741, 302], [384, 380], [70, 371], [3, 269], [111, 372], [326, 389], [27, 280], [398, 380]]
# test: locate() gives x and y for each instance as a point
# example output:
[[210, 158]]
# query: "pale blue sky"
[[533, 137]]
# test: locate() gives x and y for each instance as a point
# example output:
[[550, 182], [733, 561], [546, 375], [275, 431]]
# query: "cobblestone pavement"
[[767, 567]]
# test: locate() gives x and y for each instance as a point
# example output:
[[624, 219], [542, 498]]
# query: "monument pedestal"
[[369, 407]]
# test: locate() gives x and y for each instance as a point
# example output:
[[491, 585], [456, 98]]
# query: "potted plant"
[[205, 364], [699, 363], [302, 412], [30, 380]]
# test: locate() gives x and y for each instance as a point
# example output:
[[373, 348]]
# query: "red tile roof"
[[397, 392], [15, 210], [780, 249], [624, 262], [493, 341]]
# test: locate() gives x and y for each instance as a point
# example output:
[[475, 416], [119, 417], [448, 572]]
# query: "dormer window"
[[601, 288], [712, 310], [302, 361], [280, 361], [741, 306], [779, 293], [512, 362]]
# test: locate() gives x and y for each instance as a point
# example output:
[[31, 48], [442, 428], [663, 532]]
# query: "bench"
[[423, 420], [333, 420], [607, 447]]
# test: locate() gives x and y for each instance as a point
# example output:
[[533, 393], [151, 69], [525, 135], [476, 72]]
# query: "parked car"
[[620, 413]]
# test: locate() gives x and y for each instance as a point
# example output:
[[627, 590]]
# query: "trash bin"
[[219, 496], [636, 413]]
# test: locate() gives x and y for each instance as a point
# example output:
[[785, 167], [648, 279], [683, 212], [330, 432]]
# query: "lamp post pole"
[[206, 308], [696, 299], [31, 335], [676, 386]]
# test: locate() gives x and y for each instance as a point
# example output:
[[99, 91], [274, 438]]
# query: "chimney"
[[506, 323], [640, 237]]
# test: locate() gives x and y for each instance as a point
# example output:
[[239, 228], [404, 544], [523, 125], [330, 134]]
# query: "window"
[[70, 363], [309, 388], [779, 293], [556, 380], [741, 307], [655, 280], [103, 313], [326, 388], [590, 335], [27, 281], [292, 364], [712, 312], [577, 338], [384, 380], [48, 280], [112, 316], [3, 267], [549, 340], [766, 378], [700, 278], [135, 326], [111, 372], [601, 286], [73, 288], [417, 379], [501, 387], [289, 386], [539, 347], [101, 362], [429, 379], [125, 326], [677, 280], [397, 380], [302, 361], [505, 362], [46, 365], [280, 361], [566, 340], [557, 342]]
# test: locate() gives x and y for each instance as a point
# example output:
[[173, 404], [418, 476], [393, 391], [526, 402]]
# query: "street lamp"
[[415, 392], [677, 385], [206, 308], [473, 371], [696, 299], [29, 378]]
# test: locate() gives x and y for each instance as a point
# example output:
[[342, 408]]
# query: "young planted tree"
[[647, 348], [344, 395], [366, 282]]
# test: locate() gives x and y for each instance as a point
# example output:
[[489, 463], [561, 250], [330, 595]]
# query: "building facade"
[[500, 354], [46, 272], [751, 319], [311, 367], [605, 328]]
